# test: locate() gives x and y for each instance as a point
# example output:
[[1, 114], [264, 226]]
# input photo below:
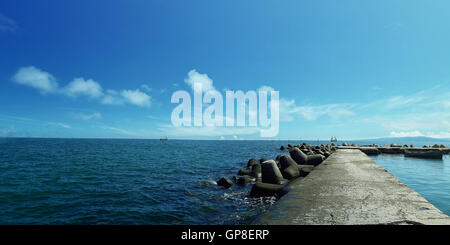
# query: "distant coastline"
[[373, 140]]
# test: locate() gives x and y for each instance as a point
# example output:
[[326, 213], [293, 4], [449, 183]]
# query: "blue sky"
[[350, 69]]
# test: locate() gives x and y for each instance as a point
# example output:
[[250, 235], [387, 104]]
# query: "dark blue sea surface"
[[120, 181], [131, 181]]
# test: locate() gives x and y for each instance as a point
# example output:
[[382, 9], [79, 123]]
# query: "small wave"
[[206, 182]]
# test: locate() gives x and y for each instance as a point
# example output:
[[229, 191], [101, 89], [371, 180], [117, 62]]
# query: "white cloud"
[[112, 98], [31, 121], [402, 101], [153, 117], [440, 135], [80, 86], [7, 24], [46, 83], [418, 133], [136, 97], [11, 131], [120, 131], [266, 88], [285, 110], [422, 113], [428, 97], [408, 122], [146, 88], [36, 78], [203, 79], [289, 111], [63, 125], [406, 134], [86, 117]]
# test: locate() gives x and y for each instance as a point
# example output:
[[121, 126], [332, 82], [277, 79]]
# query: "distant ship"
[[333, 139], [165, 138]]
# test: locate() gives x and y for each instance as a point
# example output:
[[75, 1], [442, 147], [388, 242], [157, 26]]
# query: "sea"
[[145, 181]]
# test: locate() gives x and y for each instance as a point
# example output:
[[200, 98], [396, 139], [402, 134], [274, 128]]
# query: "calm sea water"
[[430, 178], [118, 181]]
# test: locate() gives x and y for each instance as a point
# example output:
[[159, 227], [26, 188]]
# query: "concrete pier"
[[349, 188]]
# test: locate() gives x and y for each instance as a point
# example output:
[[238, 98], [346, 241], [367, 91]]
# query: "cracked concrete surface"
[[349, 188]]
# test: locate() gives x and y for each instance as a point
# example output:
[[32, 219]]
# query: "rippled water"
[[98, 181], [118, 181], [430, 178]]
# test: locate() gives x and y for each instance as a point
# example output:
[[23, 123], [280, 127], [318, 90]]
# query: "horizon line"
[[262, 139]]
